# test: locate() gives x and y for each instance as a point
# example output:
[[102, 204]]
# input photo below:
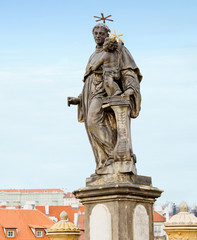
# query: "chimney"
[[47, 210]]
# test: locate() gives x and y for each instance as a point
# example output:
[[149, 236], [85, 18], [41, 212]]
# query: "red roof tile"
[[41, 209], [37, 226], [158, 217], [22, 220], [54, 211], [81, 222], [82, 237]]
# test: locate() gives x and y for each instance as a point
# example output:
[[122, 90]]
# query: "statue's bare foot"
[[109, 161]]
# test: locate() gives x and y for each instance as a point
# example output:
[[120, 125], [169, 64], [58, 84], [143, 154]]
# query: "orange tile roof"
[[36, 226], [41, 209], [81, 222], [54, 211], [32, 190], [22, 220], [82, 237], [158, 217]]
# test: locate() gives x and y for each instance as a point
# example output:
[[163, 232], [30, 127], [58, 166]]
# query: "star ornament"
[[114, 35]]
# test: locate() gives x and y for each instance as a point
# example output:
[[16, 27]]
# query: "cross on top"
[[102, 18]]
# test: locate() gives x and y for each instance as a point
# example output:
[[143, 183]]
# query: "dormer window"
[[10, 233], [39, 233]]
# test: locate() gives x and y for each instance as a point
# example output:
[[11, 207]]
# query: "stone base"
[[118, 207], [99, 180], [118, 167]]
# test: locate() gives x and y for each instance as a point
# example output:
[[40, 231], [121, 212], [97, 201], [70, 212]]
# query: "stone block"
[[125, 199]]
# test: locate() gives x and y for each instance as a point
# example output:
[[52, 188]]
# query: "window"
[[157, 229], [39, 233], [10, 234]]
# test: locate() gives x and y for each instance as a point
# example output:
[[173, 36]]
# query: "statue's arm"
[[73, 101], [77, 101], [128, 92], [98, 64]]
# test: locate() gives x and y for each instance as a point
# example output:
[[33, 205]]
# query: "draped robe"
[[100, 124]]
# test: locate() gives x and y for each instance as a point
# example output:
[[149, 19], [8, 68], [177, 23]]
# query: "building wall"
[[39, 198], [71, 201], [159, 233]]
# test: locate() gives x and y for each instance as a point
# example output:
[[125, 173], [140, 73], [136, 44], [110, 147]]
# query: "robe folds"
[[101, 125]]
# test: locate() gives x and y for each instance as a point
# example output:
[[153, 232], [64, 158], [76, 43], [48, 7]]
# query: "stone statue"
[[110, 97], [118, 202]]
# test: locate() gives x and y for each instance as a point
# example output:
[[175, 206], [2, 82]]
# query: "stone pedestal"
[[118, 207]]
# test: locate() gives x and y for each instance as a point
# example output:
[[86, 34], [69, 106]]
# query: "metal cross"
[[102, 18]]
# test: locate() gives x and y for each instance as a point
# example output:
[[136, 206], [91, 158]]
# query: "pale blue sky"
[[44, 48]]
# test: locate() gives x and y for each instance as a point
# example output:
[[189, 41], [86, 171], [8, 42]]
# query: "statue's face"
[[99, 35]]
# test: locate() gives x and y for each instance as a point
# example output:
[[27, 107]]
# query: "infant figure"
[[111, 67]]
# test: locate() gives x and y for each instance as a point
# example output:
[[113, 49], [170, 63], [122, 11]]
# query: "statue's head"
[[100, 32], [110, 44]]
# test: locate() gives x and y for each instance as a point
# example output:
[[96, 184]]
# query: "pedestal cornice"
[[118, 191]]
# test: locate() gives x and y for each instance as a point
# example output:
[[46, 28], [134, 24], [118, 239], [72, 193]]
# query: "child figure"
[[111, 68]]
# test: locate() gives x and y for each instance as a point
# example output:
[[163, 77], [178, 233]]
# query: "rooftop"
[[158, 217], [24, 222], [55, 211]]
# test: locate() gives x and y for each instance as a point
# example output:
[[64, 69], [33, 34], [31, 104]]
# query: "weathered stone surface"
[[142, 180], [98, 180], [109, 99], [140, 223], [100, 223], [118, 167], [121, 199]]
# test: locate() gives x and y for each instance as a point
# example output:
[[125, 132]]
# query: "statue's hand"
[[93, 68], [73, 101], [128, 92]]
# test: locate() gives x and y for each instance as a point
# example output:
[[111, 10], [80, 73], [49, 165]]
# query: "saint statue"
[[106, 109]]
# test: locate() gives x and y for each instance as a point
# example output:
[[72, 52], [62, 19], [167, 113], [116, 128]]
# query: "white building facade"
[[37, 197]]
